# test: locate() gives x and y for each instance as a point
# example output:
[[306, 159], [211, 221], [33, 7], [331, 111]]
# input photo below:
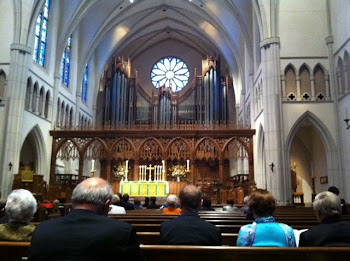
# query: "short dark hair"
[[230, 201], [334, 189], [262, 203], [190, 198], [206, 202], [125, 197]]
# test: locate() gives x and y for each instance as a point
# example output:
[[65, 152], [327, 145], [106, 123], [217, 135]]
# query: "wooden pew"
[[14, 251], [204, 253], [152, 238]]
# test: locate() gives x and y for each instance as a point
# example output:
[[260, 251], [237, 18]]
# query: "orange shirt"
[[172, 211]]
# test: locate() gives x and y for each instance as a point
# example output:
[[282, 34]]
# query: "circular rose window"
[[170, 72]]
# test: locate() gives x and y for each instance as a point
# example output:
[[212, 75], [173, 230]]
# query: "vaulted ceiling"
[[108, 28]]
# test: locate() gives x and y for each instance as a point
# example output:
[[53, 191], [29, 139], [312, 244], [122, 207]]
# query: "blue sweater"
[[266, 232]]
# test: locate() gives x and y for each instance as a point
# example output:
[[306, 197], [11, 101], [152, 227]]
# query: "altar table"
[[144, 188]]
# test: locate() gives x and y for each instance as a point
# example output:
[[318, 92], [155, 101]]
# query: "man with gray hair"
[[331, 231], [86, 233]]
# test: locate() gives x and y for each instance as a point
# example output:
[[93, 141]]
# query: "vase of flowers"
[[119, 171], [178, 171]]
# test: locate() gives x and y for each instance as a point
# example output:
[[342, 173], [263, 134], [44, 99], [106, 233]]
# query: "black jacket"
[[331, 232]]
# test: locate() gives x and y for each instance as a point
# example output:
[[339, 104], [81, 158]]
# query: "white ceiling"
[[109, 28]]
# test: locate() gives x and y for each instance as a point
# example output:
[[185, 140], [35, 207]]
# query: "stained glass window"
[[85, 85], [66, 62], [170, 72], [41, 34]]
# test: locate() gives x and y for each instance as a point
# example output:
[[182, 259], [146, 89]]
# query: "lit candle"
[[126, 165], [93, 165], [163, 162], [188, 164]]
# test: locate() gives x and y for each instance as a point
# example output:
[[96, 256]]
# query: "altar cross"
[[150, 168]]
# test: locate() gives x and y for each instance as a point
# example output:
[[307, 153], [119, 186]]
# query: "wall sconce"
[[347, 123], [271, 166], [10, 165]]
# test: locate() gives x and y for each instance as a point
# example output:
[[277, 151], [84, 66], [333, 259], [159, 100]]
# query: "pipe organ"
[[204, 101]]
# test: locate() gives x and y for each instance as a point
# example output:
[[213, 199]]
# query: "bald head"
[[93, 194], [190, 198]]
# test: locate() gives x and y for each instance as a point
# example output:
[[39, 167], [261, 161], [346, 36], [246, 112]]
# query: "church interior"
[[155, 94]]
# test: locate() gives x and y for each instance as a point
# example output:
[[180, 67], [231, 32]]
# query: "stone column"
[[278, 182], [15, 101]]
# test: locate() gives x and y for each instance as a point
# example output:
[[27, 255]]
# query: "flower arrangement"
[[119, 171], [178, 171]]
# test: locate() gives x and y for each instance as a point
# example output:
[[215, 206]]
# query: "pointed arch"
[[29, 93], [177, 153], [127, 142], [94, 151], [305, 82], [260, 171], [347, 69], [218, 151], [39, 146], [2, 84], [328, 142], [151, 152]]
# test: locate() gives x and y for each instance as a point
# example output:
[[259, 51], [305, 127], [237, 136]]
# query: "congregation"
[[93, 203]]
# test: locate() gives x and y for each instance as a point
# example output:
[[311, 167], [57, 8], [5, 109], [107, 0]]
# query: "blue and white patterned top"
[[266, 232]]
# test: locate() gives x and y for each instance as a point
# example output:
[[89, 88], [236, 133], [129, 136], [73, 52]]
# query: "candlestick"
[[93, 164], [126, 170], [188, 164]]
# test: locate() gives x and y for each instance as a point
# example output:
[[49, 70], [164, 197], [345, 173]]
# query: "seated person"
[[146, 202], [20, 208], [152, 204], [125, 202], [137, 204], [46, 204], [171, 208], [230, 205], [114, 207], [335, 190], [331, 231], [265, 231], [189, 228], [206, 204]]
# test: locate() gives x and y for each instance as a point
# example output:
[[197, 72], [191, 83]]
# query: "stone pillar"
[[278, 180], [15, 101]]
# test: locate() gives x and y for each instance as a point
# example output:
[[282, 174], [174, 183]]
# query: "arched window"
[[66, 62], [170, 72], [2, 84], [85, 85], [291, 87], [41, 101], [305, 83], [41, 34], [47, 104]]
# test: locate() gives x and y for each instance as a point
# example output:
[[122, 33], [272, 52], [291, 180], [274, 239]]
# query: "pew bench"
[[152, 238], [14, 251], [205, 253]]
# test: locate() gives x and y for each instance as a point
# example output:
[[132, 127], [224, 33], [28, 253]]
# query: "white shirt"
[[116, 210]]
